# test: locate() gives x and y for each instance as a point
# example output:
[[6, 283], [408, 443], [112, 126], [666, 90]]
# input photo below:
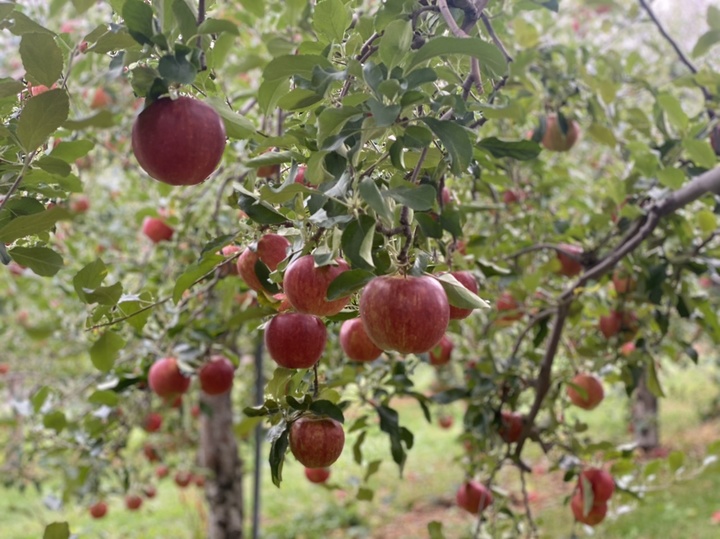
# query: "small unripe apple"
[[133, 502], [440, 353], [98, 510], [474, 497], [271, 249], [157, 230], [317, 475], [592, 391], [467, 279], [316, 442], [555, 139], [166, 380], [511, 426], [355, 342], [295, 340], [594, 517], [306, 286], [216, 376], [153, 422], [570, 259]]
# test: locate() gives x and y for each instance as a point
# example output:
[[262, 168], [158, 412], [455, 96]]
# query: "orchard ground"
[[677, 506]]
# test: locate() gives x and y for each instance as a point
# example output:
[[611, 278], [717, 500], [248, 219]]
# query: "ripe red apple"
[[283, 304], [79, 204], [151, 453], [162, 471], [316, 442], [153, 422], [317, 475], [621, 323], [623, 282], [166, 380], [446, 421], [474, 497], [149, 491], [306, 286], [157, 230], [467, 279], [592, 394], [268, 171], [440, 353], [627, 348], [271, 249], [570, 259], [403, 313], [511, 426], [216, 376], [555, 139], [183, 478], [355, 342], [198, 480], [133, 502], [300, 176], [506, 303], [602, 483], [295, 340], [230, 267], [178, 141], [98, 510], [100, 99], [512, 196], [447, 196], [596, 514]]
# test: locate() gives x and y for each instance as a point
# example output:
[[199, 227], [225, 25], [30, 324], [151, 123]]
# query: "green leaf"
[[57, 530], [435, 530], [284, 67], [101, 119], [371, 194], [456, 140], [327, 408], [259, 211], [330, 20], [700, 152], [357, 241], [176, 68], [418, 198], [105, 350], [39, 397], [133, 310], [41, 58], [41, 116], [395, 42], [673, 178], [458, 295], [104, 397], [10, 87], [603, 135], [70, 151], [331, 120], [89, 278], [653, 382], [489, 55], [236, 126], [365, 494], [522, 150], [116, 39], [675, 460], [673, 109], [713, 17], [186, 19], [348, 282], [705, 42], [42, 260], [707, 221], [6, 8], [139, 20], [218, 26], [194, 272], [372, 468], [278, 448], [55, 420], [36, 223]]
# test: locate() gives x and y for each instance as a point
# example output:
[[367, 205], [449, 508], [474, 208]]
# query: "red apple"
[[162, 471], [150, 491], [283, 304], [594, 517], [623, 282], [467, 279], [157, 230], [440, 353], [195, 411], [474, 497], [446, 195], [271, 249], [268, 171], [100, 99], [446, 421], [306, 286], [621, 323], [183, 478], [151, 453], [355, 342], [555, 139], [133, 502], [230, 267], [153, 422], [98, 510], [316, 442], [506, 303], [216, 376], [627, 348], [511, 426], [512, 196], [592, 391], [166, 380], [300, 176], [79, 204], [295, 340], [317, 475], [178, 141], [602, 483], [569, 259], [403, 313], [198, 480], [4, 368]]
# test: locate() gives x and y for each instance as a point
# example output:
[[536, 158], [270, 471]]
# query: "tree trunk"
[[219, 454], [644, 414]]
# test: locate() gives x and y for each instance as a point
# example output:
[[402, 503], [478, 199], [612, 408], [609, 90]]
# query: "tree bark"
[[644, 412], [219, 454]]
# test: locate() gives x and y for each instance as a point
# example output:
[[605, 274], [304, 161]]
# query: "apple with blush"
[[306, 286], [166, 379], [317, 475], [271, 249], [315, 441], [467, 279], [216, 376], [474, 497], [569, 257], [355, 342], [295, 340], [440, 353], [511, 426], [585, 391]]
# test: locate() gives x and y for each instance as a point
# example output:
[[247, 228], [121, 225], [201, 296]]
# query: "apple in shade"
[[178, 141], [79, 204], [317, 475], [271, 249], [295, 340], [446, 195], [300, 176], [557, 140], [474, 497], [133, 502], [4, 368], [585, 391], [621, 323], [98, 510], [316, 442], [157, 230], [306, 286], [229, 267], [404, 313], [166, 380], [355, 342], [216, 376], [467, 279], [506, 303], [511, 426], [198, 480], [183, 478], [512, 196], [440, 353], [153, 422], [151, 453], [569, 257]]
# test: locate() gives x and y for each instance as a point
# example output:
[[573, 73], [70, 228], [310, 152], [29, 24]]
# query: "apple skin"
[[511, 426], [216, 376], [568, 265], [166, 380], [317, 475], [306, 286], [295, 340], [474, 497], [157, 230], [621, 323], [355, 342], [440, 353], [594, 517], [100, 99], [407, 314], [183, 478], [467, 279], [512, 196], [602, 483], [316, 442], [133, 502], [594, 392], [153, 422], [178, 141], [229, 268], [98, 510], [271, 249], [557, 141], [622, 282], [507, 302]]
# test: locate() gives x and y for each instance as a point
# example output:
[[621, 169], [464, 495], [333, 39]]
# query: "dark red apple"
[[166, 380], [440, 353], [151, 453], [555, 139], [403, 313], [300, 176], [306, 286], [467, 279], [98, 510], [317, 475], [594, 517], [162, 471], [198, 480], [592, 391], [183, 478], [271, 249], [569, 259], [150, 491], [157, 230], [623, 282], [295, 340], [511, 426], [474, 497], [153, 422], [178, 141], [602, 483], [355, 342], [133, 502], [216, 376], [316, 442]]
